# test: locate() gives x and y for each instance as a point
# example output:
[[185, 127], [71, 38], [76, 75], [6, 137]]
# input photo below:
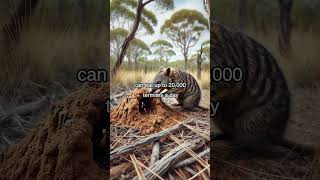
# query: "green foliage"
[[161, 43], [163, 49], [118, 32], [170, 53], [184, 29], [123, 12], [165, 4], [184, 18], [140, 44], [117, 36], [205, 43]]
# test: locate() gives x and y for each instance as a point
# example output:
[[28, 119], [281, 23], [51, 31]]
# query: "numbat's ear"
[[168, 70]]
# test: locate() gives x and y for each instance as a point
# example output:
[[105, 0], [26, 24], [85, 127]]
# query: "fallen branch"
[[59, 85], [164, 164], [41, 87], [117, 96], [191, 160], [131, 147], [155, 153], [6, 139], [30, 107]]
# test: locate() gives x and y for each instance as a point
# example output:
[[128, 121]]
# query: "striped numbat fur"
[[254, 111], [189, 93]]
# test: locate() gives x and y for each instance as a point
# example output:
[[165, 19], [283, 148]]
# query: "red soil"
[[150, 115]]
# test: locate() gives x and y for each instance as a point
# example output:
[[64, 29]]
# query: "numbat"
[[181, 83], [253, 112]]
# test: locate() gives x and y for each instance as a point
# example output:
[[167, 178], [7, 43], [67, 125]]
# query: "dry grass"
[[125, 78]]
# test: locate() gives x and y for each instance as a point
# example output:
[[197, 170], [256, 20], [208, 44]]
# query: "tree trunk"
[[185, 61], [199, 62], [20, 18], [130, 37], [136, 64], [285, 27], [207, 3], [243, 16], [199, 70], [84, 14]]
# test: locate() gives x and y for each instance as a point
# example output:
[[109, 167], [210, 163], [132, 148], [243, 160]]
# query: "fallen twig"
[[131, 147], [137, 167], [191, 160], [165, 163], [30, 107], [117, 96], [155, 153]]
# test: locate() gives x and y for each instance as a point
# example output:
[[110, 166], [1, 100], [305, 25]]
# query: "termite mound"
[[149, 114], [65, 144]]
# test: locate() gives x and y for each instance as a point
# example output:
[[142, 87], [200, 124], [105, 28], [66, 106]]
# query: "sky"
[[164, 15]]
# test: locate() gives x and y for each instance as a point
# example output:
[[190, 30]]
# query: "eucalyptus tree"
[[140, 16], [184, 28], [206, 6], [168, 54], [161, 49], [122, 15], [117, 36], [137, 49]]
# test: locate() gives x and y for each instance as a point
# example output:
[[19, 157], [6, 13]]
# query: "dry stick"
[[200, 172], [4, 117], [197, 131], [137, 168], [131, 147], [189, 170], [63, 89], [30, 107], [164, 164], [6, 139], [205, 176], [179, 174], [193, 154], [191, 160], [119, 139], [150, 170], [171, 177], [117, 96], [39, 86], [155, 152]]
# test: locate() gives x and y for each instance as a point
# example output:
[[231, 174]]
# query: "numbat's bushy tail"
[[181, 83], [253, 111]]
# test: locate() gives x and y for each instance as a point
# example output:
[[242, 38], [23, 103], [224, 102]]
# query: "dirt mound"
[[150, 115], [65, 145]]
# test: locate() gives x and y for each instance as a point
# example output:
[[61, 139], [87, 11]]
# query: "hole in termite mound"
[[146, 105], [149, 114]]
